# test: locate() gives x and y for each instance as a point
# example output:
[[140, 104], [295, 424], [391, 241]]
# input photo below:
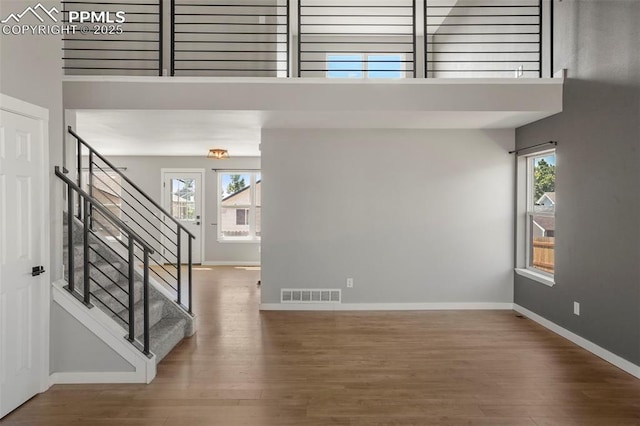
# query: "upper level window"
[[365, 65], [239, 204], [541, 209]]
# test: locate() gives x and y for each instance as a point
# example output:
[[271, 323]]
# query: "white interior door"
[[183, 199], [23, 246]]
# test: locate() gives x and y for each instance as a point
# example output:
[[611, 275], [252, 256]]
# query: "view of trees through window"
[[240, 202], [542, 220]]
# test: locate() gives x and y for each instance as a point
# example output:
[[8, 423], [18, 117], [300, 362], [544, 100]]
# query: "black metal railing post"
[[160, 38], [415, 41], [173, 38], [190, 272], [540, 44], [86, 260], [146, 301], [551, 35], [288, 47], [90, 182], [79, 174], [179, 269], [132, 300], [70, 246], [299, 43], [426, 38]]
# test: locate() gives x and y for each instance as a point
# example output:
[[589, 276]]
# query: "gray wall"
[[31, 70], [146, 173], [75, 348], [598, 159], [412, 216]]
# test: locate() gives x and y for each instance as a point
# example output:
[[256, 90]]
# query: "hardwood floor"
[[245, 367]]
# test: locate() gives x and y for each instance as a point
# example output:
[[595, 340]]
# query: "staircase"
[[135, 276], [168, 323]]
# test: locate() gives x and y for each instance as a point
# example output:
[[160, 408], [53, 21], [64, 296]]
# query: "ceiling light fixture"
[[218, 154]]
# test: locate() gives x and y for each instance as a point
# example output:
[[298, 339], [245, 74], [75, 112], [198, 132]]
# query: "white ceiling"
[[193, 133], [121, 132]]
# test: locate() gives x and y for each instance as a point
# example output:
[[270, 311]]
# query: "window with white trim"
[[239, 203], [378, 65], [541, 212]]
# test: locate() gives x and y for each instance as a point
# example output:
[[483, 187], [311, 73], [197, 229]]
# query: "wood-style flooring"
[[246, 367]]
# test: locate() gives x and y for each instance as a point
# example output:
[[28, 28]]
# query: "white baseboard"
[[105, 329], [230, 263], [599, 351], [383, 306], [89, 377]]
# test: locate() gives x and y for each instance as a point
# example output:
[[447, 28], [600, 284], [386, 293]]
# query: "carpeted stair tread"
[[155, 314], [165, 335]]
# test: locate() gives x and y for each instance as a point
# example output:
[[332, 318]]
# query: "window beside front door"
[[239, 202]]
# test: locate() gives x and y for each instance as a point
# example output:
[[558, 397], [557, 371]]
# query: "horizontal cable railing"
[[316, 38], [84, 291], [356, 38], [230, 38], [483, 38], [171, 241], [128, 41]]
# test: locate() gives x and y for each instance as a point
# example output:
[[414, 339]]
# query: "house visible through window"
[[242, 216], [183, 201], [541, 219], [389, 65], [239, 202]]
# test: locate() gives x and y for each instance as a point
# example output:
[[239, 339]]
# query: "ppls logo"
[[99, 22], [75, 16], [43, 11]]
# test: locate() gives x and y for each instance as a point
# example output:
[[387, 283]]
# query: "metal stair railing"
[[135, 208], [89, 204]]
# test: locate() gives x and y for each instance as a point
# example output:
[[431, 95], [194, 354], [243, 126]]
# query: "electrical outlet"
[[349, 282], [576, 308]]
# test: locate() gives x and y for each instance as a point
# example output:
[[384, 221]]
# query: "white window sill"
[[225, 241], [536, 276]]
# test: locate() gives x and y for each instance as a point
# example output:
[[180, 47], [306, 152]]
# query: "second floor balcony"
[[315, 38]]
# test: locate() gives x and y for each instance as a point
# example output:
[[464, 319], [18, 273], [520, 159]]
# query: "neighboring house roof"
[[175, 197], [546, 223], [551, 196], [235, 194]]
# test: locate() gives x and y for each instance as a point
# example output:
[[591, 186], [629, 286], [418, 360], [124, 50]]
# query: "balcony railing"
[[133, 48], [356, 38], [317, 38], [222, 38]]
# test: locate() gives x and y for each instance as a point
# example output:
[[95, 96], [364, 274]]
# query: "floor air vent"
[[316, 295]]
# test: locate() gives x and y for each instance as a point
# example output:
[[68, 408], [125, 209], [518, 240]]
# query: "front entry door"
[[183, 199], [23, 290]]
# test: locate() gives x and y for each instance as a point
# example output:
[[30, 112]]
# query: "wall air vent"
[[310, 295]]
